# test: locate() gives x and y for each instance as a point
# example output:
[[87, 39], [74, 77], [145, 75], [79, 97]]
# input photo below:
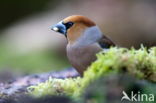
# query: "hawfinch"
[[85, 39]]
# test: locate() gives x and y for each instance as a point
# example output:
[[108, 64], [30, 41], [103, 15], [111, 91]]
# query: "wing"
[[105, 42]]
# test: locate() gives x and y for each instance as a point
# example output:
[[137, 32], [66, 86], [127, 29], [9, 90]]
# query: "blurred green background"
[[27, 45]]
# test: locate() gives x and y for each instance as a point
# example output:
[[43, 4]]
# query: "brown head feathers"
[[79, 19]]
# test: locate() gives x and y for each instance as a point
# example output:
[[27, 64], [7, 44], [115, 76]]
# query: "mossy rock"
[[140, 64]]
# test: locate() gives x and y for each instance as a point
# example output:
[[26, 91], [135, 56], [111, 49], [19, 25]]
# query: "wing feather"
[[105, 42]]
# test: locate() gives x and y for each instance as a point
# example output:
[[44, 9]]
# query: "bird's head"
[[78, 28]]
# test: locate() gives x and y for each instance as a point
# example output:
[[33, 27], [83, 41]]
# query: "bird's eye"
[[68, 24]]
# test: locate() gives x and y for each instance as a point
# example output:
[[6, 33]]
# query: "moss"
[[140, 63], [55, 86]]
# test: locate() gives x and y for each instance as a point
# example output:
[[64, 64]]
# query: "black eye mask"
[[68, 25]]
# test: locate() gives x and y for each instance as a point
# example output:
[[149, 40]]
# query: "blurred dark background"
[[12, 11], [28, 45]]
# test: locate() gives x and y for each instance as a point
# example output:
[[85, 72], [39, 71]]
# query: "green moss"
[[140, 63], [55, 86]]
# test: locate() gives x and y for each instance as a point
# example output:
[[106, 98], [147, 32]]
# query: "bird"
[[85, 40]]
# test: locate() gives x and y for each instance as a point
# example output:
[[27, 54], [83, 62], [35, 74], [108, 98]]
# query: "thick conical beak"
[[59, 27]]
